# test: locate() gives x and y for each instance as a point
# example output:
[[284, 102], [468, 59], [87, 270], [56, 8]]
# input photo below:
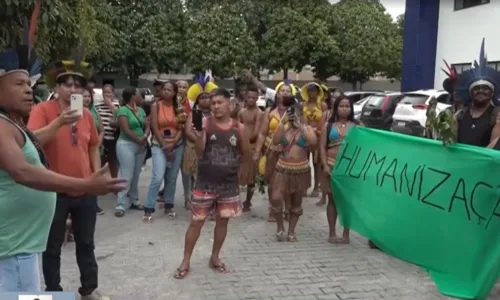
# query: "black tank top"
[[221, 161], [475, 131]]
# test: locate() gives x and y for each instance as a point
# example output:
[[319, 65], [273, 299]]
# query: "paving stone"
[[137, 260]]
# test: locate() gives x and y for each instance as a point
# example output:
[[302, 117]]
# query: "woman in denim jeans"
[[131, 148], [167, 149]]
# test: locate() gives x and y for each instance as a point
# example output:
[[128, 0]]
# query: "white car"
[[410, 115], [358, 107], [261, 102]]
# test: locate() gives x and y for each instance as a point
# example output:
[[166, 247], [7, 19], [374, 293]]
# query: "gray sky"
[[394, 7]]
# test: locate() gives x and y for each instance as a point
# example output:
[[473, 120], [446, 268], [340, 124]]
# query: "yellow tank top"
[[273, 123], [314, 115]]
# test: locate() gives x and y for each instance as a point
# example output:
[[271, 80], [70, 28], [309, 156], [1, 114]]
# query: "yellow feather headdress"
[[305, 95], [74, 66], [203, 83]]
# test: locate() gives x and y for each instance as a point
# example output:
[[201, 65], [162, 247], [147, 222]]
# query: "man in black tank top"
[[221, 146], [479, 89]]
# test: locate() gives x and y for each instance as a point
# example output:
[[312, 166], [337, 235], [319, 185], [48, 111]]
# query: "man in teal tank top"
[[27, 188]]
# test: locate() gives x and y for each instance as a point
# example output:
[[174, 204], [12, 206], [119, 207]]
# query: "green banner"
[[434, 206]]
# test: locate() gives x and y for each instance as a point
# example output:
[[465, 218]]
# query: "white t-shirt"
[[270, 94]]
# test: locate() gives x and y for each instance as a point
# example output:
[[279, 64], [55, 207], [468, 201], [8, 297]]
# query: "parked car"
[[378, 109], [411, 112], [355, 96], [358, 106]]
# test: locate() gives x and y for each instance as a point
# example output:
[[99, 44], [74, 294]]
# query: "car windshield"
[[414, 99], [375, 101]]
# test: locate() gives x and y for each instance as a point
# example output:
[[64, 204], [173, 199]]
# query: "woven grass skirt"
[[190, 159], [271, 155], [292, 176], [248, 170]]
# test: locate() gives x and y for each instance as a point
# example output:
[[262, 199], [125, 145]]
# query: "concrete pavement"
[[137, 261]]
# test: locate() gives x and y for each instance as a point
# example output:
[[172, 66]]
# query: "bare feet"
[[342, 240], [321, 201], [218, 266], [332, 239], [372, 245], [314, 193], [247, 206], [280, 236]]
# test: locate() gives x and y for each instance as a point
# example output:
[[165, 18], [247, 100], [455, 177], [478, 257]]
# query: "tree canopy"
[[352, 39]]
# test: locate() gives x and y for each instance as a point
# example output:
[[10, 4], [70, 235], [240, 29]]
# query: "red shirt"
[[64, 156]]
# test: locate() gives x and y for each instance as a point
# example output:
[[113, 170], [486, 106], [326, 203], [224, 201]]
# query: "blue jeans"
[[164, 171], [20, 273], [130, 159]]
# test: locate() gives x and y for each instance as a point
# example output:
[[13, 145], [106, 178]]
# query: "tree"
[[324, 56], [62, 26], [288, 41], [219, 40], [150, 35], [366, 37], [400, 21]]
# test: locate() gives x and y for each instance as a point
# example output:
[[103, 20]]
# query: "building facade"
[[450, 30]]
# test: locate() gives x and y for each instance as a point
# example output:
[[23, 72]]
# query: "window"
[[375, 101], [462, 4], [466, 66], [444, 98], [414, 99]]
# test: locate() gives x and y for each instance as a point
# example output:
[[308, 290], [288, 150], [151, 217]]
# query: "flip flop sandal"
[[136, 207], [221, 269], [181, 273], [292, 238], [119, 213], [147, 219]]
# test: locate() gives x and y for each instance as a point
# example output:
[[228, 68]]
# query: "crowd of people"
[[64, 158]]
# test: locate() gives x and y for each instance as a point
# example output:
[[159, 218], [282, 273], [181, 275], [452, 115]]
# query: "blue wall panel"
[[419, 45]]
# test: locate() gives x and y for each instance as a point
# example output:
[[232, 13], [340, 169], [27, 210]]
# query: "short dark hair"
[[252, 88], [65, 77], [221, 92], [128, 94]]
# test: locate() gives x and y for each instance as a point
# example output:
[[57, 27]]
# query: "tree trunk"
[[354, 85], [285, 73]]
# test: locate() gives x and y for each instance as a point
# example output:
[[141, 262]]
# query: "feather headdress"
[[450, 81], [312, 85], [21, 58], [203, 82], [75, 66], [289, 83], [479, 74]]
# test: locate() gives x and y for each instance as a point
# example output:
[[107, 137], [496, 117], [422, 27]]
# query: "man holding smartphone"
[[220, 144], [79, 144]]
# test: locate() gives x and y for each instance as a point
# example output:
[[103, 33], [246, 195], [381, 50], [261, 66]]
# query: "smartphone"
[[197, 119], [167, 133], [77, 103]]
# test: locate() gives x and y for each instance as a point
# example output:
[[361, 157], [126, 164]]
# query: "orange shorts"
[[204, 202]]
